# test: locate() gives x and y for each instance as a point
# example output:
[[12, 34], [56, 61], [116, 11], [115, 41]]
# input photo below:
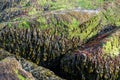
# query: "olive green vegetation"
[[86, 30], [91, 4], [68, 4], [112, 46], [63, 30], [101, 64], [111, 15], [20, 76], [57, 4], [45, 38]]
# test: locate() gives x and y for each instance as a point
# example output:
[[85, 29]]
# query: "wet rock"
[[4, 54], [96, 62], [12, 70], [45, 46], [38, 54], [39, 72], [25, 36]]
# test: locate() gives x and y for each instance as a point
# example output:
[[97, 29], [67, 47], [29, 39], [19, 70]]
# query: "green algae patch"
[[20, 76], [24, 24], [85, 30], [112, 45]]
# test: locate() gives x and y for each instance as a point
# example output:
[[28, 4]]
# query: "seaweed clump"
[[44, 46], [97, 62]]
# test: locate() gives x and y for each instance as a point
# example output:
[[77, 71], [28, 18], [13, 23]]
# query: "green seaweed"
[[112, 47], [20, 76]]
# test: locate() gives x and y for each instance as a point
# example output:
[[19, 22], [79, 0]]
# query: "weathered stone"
[[39, 72], [98, 59], [45, 46], [12, 70], [4, 54], [48, 37]]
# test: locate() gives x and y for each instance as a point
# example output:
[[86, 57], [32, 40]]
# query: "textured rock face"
[[10, 69], [22, 65], [99, 60], [39, 72], [78, 42], [25, 35], [4, 54], [44, 46]]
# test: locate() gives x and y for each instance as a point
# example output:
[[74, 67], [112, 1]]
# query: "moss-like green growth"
[[24, 24], [20, 76], [45, 37], [111, 14], [96, 60], [112, 45], [32, 11]]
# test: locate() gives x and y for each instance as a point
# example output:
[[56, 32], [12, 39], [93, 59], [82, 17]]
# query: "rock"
[[39, 72], [4, 54], [45, 47], [54, 39], [99, 60], [12, 70]]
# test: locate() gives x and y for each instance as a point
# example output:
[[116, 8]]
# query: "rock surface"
[[11, 64], [10, 69], [39, 72], [99, 59], [76, 44]]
